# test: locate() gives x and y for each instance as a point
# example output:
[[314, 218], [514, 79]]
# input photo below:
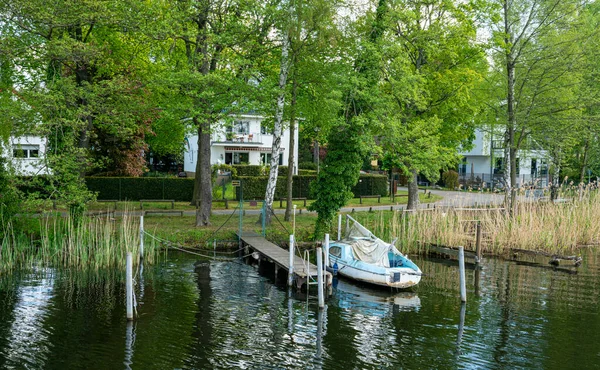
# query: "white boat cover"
[[367, 247]]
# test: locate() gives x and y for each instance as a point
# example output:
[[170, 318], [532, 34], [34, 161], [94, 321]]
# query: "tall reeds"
[[537, 224], [90, 243]]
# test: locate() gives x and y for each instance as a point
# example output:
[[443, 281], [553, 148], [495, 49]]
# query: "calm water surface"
[[223, 315]]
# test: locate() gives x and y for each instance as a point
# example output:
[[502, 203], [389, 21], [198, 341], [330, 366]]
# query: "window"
[[462, 167], [237, 158], [534, 166], [26, 151], [497, 144], [499, 166], [335, 251], [239, 127], [265, 159]]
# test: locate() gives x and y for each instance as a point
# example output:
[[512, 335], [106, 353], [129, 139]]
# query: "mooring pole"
[[142, 236], [461, 271], [291, 264], [478, 243], [339, 227], [326, 251], [129, 286], [294, 222], [320, 278]]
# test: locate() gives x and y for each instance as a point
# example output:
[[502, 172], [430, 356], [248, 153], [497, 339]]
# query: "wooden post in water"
[[291, 266], [142, 236], [339, 227], [478, 243], [461, 271], [326, 251], [320, 290], [129, 285]]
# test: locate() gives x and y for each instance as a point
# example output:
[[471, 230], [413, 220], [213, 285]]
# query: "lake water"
[[223, 315]]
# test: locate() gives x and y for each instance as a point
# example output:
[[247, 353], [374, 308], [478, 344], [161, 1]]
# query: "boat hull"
[[389, 277]]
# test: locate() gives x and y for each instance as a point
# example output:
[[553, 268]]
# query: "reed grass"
[[90, 243], [536, 225]]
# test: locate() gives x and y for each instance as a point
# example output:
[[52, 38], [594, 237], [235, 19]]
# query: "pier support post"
[[291, 262], [478, 243], [461, 271], [320, 278], [326, 251], [129, 286], [339, 227], [142, 236]]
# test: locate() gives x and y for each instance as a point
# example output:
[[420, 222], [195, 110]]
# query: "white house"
[[26, 155], [245, 141], [485, 160]]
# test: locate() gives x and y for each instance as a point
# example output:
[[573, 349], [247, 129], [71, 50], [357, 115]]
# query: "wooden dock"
[[280, 258]]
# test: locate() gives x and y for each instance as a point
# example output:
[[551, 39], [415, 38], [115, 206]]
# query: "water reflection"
[[224, 315]]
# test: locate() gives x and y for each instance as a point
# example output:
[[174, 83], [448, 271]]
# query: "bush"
[[450, 179], [136, 188], [307, 166], [181, 189], [8, 196], [250, 170]]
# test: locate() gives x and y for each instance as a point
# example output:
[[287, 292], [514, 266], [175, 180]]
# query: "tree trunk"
[[413, 192], [278, 127], [292, 145], [203, 179], [510, 174]]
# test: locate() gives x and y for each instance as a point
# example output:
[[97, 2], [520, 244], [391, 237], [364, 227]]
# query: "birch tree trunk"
[[510, 175], [278, 127], [291, 157]]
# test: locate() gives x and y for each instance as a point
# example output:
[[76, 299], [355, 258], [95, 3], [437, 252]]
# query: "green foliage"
[[450, 179], [136, 188], [243, 170], [307, 166], [9, 201], [339, 173]]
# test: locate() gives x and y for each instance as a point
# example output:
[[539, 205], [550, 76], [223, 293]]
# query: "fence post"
[[461, 272], [129, 286], [320, 278], [142, 236], [478, 243], [291, 262]]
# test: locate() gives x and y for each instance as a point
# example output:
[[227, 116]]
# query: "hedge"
[[181, 189], [254, 187], [136, 188], [251, 170]]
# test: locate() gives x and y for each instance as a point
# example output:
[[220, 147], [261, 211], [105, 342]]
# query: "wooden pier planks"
[[280, 256]]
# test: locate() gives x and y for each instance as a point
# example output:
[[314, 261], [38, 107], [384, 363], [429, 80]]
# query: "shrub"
[[136, 188], [307, 166], [450, 179]]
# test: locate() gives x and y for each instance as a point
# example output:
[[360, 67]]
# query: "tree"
[[349, 137], [211, 45], [535, 52], [432, 64], [79, 75]]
